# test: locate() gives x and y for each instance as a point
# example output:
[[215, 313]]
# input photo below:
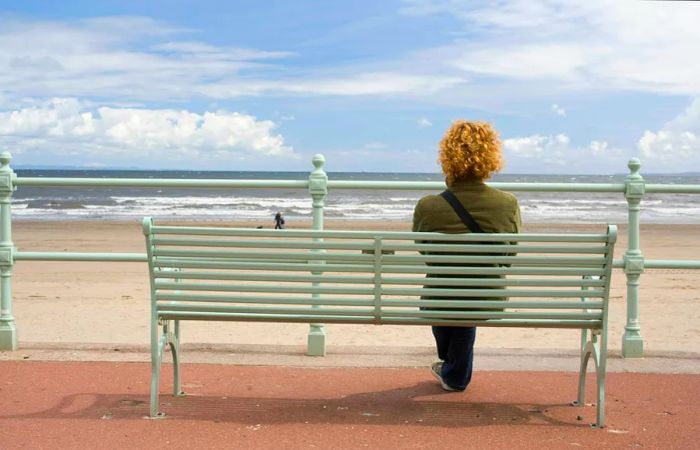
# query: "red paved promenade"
[[103, 404]]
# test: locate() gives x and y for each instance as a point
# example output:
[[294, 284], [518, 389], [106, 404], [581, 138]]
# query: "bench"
[[382, 278]]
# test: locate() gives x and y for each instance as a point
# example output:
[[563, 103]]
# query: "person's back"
[[470, 153], [494, 210]]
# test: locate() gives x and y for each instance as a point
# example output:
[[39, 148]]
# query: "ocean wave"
[[54, 204], [535, 207]]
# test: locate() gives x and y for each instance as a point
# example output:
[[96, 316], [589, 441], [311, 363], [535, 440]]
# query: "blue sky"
[[572, 87]]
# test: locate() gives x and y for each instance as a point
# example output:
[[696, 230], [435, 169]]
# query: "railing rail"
[[141, 257], [157, 183], [633, 263]]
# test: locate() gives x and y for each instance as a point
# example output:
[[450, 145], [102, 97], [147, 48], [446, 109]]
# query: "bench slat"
[[244, 317], [577, 324], [369, 312], [316, 256], [457, 247], [512, 270], [370, 235], [246, 276], [326, 278], [353, 245], [533, 260], [493, 292], [386, 303], [265, 288], [276, 299], [325, 289], [578, 282], [267, 244], [189, 263], [317, 311], [509, 304], [532, 323], [443, 314]]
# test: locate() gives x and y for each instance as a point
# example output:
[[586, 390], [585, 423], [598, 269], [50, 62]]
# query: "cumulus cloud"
[[541, 153], [676, 147], [558, 110], [68, 127], [549, 149]]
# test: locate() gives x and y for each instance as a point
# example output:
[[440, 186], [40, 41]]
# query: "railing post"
[[632, 343], [318, 188], [8, 330]]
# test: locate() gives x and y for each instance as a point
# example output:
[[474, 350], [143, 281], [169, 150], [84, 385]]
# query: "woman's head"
[[470, 150]]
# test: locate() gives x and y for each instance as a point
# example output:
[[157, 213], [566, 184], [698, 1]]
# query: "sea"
[[260, 205]]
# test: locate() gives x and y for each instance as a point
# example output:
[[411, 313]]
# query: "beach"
[[65, 304]]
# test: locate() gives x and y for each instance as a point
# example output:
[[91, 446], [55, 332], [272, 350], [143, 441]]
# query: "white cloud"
[[66, 127], [105, 56], [558, 110], [598, 148], [423, 122], [549, 149], [141, 59], [557, 45], [676, 147], [555, 153], [597, 44]]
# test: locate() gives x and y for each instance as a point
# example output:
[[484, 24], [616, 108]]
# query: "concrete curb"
[[501, 359]]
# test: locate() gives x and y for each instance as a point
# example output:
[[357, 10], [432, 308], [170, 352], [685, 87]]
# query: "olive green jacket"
[[495, 211]]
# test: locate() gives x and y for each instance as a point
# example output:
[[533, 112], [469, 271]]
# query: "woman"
[[470, 152]]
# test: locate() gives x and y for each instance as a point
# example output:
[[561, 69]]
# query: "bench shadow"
[[399, 406]]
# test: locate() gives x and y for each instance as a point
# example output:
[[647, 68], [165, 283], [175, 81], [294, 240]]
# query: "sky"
[[571, 87]]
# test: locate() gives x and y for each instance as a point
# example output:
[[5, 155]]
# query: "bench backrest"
[[218, 273]]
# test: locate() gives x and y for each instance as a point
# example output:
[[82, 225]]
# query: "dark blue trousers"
[[455, 346]]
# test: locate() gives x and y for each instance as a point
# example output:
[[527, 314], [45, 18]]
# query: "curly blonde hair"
[[470, 150]]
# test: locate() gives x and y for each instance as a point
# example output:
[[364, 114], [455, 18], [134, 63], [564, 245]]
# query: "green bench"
[[379, 277]]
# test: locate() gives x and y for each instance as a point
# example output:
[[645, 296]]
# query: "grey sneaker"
[[436, 370]]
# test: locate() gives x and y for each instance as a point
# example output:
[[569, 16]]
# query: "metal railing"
[[633, 263]]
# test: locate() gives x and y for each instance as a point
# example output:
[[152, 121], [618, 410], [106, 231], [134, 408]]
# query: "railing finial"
[[5, 158], [318, 161], [634, 165]]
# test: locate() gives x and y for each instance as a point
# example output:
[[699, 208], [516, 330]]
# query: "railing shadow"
[[414, 405]]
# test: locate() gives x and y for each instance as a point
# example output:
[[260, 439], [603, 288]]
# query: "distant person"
[[470, 152], [279, 221]]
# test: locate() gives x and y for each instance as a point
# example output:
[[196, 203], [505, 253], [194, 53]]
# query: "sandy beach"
[[66, 303]]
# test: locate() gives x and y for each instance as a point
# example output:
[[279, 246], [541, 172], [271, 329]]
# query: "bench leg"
[[592, 349], [585, 356], [158, 341], [600, 411], [174, 341], [602, 356]]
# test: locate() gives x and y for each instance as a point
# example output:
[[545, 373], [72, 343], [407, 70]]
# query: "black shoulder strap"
[[461, 212]]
